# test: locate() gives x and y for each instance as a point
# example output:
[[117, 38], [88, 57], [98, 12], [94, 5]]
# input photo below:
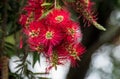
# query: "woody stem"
[[5, 73], [55, 3]]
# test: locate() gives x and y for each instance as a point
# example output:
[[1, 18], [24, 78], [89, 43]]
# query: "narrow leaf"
[[46, 4], [36, 57], [98, 26]]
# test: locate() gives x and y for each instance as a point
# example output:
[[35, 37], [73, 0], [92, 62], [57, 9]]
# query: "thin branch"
[[55, 3]]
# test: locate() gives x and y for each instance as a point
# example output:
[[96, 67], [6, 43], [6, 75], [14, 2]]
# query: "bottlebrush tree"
[[48, 28]]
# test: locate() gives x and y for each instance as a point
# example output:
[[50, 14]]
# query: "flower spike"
[[84, 8]]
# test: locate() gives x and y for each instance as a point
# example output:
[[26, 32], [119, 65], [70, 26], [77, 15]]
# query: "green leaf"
[[98, 26], [28, 62], [9, 52], [36, 57], [46, 4], [20, 65], [9, 44], [9, 49], [44, 14], [20, 69]]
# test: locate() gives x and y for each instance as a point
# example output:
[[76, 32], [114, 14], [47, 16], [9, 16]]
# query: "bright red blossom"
[[25, 20], [70, 52], [35, 7], [58, 17], [34, 29], [51, 36], [33, 12], [33, 33], [73, 32], [74, 52]]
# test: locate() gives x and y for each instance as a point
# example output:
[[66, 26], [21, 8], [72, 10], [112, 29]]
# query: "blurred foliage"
[[10, 32], [9, 13]]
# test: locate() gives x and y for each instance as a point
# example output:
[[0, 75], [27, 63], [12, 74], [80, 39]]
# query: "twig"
[[55, 3]]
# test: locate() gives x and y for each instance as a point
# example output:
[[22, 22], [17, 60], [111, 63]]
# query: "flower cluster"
[[56, 35]]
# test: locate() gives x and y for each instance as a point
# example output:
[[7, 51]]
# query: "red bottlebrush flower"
[[35, 7], [58, 16], [61, 50], [84, 8], [73, 32], [55, 60], [70, 52], [51, 37], [74, 51], [25, 20], [33, 34], [34, 29]]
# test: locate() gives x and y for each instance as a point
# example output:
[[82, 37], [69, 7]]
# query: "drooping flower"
[[75, 51], [33, 34], [87, 4], [73, 32], [54, 60], [58, 17], [33, 12], [70, 52], [84, 8], [35, 7], [34, 29], [26, 19]]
